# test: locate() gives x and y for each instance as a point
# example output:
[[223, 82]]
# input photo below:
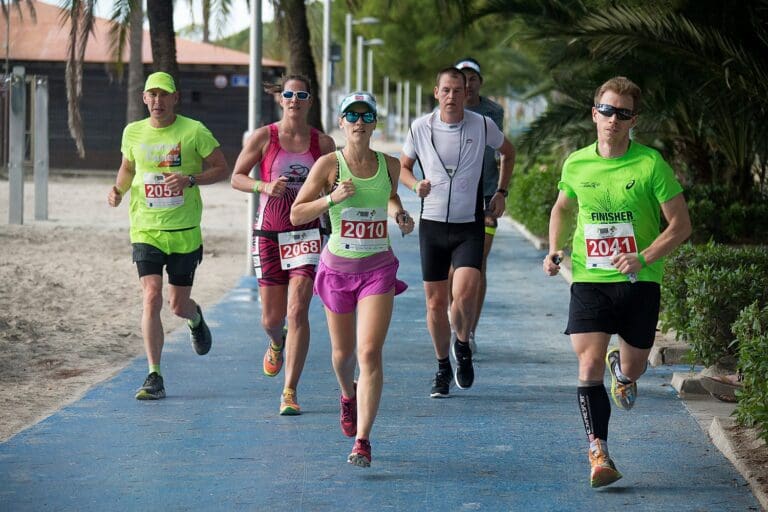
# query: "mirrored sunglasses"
[[623, 114], [352, 117], [302, 95]]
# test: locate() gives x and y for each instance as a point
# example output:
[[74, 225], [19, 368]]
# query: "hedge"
[[705, 288], [751, 331]]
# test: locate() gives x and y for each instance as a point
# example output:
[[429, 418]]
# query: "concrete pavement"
[[514, 441]]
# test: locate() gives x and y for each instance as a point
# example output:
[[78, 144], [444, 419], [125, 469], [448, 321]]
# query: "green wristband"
[[330, 201], [415, 186], [642, 261], [256, 186]]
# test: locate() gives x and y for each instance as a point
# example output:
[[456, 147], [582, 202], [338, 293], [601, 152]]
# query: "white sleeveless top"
[[451, 156]]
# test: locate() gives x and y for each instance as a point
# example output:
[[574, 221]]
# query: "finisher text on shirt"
[[612, 216]]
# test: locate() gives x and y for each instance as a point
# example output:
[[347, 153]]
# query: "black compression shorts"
[[445, 244]]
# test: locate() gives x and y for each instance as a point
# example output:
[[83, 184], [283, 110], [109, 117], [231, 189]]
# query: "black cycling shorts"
[[445, 244], [180, 267], [627, 309]]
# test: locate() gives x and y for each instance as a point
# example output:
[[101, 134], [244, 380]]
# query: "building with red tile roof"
[[213, 83]]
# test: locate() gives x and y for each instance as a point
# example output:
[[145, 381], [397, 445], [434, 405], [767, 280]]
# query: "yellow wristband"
[[329, 201], [414, 187], [642, 261], [256, 186]]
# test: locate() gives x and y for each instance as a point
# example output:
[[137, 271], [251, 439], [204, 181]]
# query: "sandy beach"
[[70, 299]]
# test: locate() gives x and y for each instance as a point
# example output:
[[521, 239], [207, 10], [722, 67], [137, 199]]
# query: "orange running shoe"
[[288, 404], [604, 471], [273, 357]]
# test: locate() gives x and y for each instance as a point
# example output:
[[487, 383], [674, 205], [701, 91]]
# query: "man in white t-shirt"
[[449, 145]]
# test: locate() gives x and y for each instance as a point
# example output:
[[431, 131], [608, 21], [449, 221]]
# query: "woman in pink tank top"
[[284, 255]]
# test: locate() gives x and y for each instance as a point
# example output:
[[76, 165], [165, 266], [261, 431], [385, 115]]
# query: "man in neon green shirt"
[[616, 189], [162, 166]]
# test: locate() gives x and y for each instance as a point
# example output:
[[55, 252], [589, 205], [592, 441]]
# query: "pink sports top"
[[274, 212]]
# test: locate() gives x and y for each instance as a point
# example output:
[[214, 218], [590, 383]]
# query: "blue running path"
[[513, 442]]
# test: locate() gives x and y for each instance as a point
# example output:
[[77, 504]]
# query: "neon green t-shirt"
[[180, 147], [619, 209], [359, 222]]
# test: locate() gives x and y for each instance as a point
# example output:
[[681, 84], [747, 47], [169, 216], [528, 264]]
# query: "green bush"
[[704, 290], [531, 195], [751, 331], [718, 214]]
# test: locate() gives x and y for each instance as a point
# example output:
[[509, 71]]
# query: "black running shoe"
[[201, 336], [464, 372], [152, 389], [441, 386]]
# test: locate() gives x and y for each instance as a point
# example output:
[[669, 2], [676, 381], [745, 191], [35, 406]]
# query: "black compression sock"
[[595, 408]]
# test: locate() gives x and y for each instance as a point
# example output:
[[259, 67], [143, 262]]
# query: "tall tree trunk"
[[295, 31], [206, 21], [135, 106], [163, 37]]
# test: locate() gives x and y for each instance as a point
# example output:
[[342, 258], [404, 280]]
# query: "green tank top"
[[360, 222]]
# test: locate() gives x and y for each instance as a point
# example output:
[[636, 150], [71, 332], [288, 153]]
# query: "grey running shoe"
[[464, 372], [201, 335], [152, 389], [441, 386], [623, 394]]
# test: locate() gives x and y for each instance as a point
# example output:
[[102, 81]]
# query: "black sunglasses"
[[302, 95], [352, 117], [608, 110]]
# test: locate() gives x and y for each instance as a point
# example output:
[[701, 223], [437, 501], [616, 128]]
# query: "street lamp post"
[[360, 44], [367, 20], [359, 67], [325, 86]]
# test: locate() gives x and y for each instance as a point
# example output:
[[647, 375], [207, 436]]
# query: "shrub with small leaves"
[[704, 290], [751, 331], [531, 196]]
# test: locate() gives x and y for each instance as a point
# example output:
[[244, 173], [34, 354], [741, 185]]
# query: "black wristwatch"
[[192, 181], [503, 192]]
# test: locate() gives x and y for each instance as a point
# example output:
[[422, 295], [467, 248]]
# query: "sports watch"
[[504, 192], [192, 181]]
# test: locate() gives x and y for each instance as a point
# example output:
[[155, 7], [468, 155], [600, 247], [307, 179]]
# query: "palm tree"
[[218, 9], [162, 36], [80, 15], [291, 20], [702, 65]]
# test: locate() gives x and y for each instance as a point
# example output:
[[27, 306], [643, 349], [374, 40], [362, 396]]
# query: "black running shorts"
[[627, 309], [180, 267], [444, 244]]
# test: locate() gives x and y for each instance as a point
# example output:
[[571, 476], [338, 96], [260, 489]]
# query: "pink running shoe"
[[361, 454], [348, 416]]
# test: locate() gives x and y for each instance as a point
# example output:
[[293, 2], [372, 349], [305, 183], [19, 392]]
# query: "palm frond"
[[80, 16], [120, 22], [5, 6]]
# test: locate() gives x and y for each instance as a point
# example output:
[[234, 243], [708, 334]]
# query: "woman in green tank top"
[[357, 270]]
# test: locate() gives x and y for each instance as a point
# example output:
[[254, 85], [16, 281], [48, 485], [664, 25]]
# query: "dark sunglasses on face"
[[302, 95], [623, 114], [352, 117]]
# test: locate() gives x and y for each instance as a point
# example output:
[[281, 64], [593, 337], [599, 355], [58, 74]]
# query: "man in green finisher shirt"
[[616, 190], [162, 166]]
